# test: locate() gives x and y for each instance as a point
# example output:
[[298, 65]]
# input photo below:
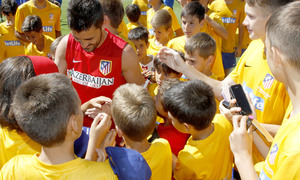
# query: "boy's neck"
[[112, 30], [202, 134], [145, 60], [40, 46], [156, 5], [58, 154], [140, 147], [39, 5], [207, 72]]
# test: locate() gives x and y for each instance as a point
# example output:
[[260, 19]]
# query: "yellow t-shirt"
[[132, 25], [123, 29], [30, 167], [32, 50], [287, 113], [144, 6], [13, 143], [177, 43], [283, 160], [175, 23], [50, 17], [159, 159], [231, 14], [210, 158], [152, 49], [10, 44], [268, 95]]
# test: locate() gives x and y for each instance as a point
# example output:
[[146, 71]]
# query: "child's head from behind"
[[162, 25], [282, 41], [199, 52], [258, 13], [164, 72], [33, 28], [133, 111], [190, 103], [54, 46], [133, 12], [139, 37], [45, 106], [166, 84], [9, 9], [192, 17], [114, 11]]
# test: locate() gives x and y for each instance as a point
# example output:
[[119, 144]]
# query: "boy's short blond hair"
[[201, 43], [162, 18], [133, 111]]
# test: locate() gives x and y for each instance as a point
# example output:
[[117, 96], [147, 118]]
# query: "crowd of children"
[[153, 95]]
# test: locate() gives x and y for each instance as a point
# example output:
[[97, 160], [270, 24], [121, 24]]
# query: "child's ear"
[[105, 21], [147, 44], [210, 60], [187, 127], [277, 57], [41, 31], [202, 23], [169, 30], [73, 125]]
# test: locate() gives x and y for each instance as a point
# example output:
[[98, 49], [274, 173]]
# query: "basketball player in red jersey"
[[96, 60]]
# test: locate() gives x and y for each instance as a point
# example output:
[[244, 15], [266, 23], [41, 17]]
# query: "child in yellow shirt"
[[144, 6], [40, 43], [10, 44], [133, 14], [207, 155], [158, 5], [134, 114], [162, 27]]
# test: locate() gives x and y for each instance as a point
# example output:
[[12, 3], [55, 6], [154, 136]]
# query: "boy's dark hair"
[[9, 6], [83, 14], [283, 32], [271, 5], [13, 72], [133, 12], [191, 102], [114, 10], [138, 33], [162, 18], [32, 23], [133, 111], [166, 69], [201, 43], [193, 8], [43, 106]]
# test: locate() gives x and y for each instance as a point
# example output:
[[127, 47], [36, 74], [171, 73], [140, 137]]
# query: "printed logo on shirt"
[[144, 13], [89, 80], [149, 6], [47, 28], [263, 176], [151, 32], [228, 20], [105, 67], [268, 81], [273, 154], [258, 102], [51, 16], [234, 11], [12, 43]]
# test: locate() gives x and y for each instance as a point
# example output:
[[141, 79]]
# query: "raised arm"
[[219, 29], [60, 55], [173, 60], [130, 66]]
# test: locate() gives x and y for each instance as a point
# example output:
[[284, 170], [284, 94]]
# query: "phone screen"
[[237, 92]]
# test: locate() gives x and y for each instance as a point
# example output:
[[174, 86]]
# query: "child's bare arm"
[[99, 130], [220, 30]]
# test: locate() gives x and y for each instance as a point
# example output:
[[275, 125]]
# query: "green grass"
[[66, 30]]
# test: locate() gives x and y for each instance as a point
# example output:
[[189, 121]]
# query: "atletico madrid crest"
[[105, 67], [268, 81]]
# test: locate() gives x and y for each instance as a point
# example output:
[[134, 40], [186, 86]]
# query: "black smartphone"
[[237, 92]]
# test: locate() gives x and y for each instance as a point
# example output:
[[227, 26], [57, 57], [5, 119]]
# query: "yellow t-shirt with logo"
[[144, 6], [283, 160], [177, 43], [123, 29], [50, 17], [175, 23], [268, 95], [159, 159], [30, 167], [231, 14], [210, 158], [10, 44], [13, 143], [132, 25], [32, 50]]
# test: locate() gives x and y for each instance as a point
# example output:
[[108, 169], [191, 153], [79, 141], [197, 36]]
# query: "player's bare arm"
[[60, 55], [130, 66]]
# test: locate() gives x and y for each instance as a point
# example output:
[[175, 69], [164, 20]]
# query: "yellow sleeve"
[[238, 70], [183, 168], [19, 18], [175, 23], [289, 166]]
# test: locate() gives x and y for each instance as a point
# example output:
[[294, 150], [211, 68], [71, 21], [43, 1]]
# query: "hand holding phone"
[[237, 92]]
